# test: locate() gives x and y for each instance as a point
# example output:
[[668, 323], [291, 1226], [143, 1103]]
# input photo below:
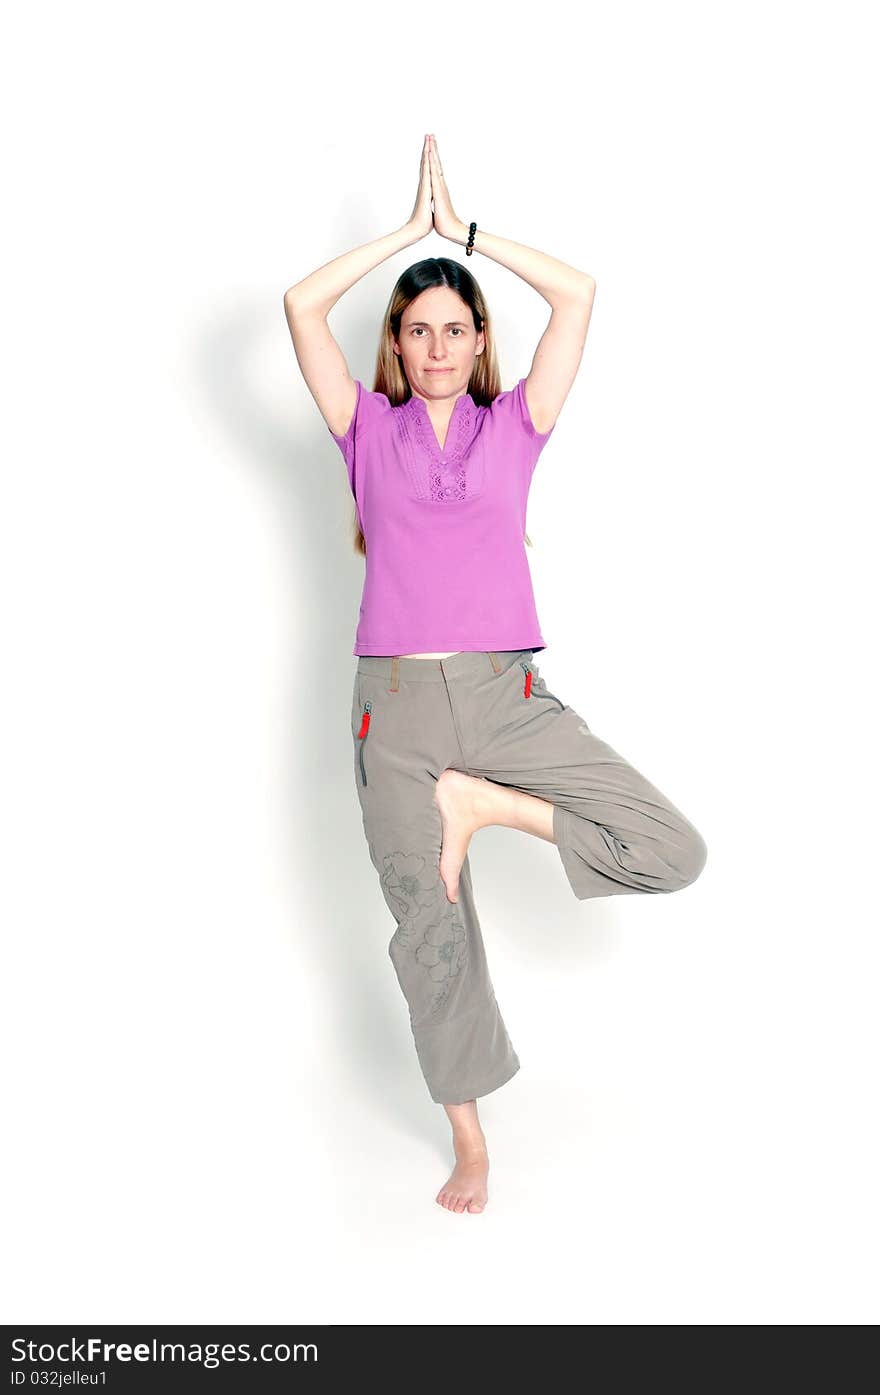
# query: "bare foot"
[[466, 1188], [460, 799]]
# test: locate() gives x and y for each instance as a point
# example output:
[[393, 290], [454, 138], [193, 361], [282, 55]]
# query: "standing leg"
[[437, 948]]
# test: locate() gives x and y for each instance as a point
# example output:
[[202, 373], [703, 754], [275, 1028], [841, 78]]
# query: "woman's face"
[[438, 343]]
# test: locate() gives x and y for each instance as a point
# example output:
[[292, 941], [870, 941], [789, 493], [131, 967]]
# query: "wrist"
[[413, 232]]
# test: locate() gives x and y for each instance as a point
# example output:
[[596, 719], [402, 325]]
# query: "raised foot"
[[466, 1188], [459, 798]]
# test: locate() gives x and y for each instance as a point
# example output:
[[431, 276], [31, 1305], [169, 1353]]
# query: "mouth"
[[438, 370]]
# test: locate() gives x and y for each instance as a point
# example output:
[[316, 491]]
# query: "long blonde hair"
[[389, 378]]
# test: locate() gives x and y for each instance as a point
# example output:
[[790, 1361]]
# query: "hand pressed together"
[[432, 186]]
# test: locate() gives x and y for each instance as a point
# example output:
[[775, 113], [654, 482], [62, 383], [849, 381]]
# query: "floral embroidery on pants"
[[426, 921]]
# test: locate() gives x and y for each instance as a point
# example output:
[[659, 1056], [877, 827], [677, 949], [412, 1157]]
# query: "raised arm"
[[566, 289], [308, 303]]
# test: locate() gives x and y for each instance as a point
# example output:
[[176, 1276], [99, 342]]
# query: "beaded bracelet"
[[470, 242]]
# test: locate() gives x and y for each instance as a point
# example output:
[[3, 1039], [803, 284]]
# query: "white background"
[[215, 1109]]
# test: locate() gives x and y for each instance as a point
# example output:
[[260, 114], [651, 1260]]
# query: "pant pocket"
[[534, 687], [366, 710]]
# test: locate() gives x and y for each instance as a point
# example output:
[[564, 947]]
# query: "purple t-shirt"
[[446, 564]]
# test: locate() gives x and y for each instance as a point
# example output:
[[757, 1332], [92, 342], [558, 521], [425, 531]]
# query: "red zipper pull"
[[365, 724], [528, 673]]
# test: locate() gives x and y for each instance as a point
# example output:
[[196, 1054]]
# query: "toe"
[[452, 891]]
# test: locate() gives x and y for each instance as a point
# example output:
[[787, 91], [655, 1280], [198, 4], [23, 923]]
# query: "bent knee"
[[690, 859]]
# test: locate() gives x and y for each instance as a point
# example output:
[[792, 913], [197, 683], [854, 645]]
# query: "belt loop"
[[494, 661], [395, 674]]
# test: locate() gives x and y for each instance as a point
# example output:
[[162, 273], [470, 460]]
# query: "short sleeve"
[[511, 411], [369, 409]]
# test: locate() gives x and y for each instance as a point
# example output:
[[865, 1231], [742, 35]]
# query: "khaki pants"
[[490, 715]]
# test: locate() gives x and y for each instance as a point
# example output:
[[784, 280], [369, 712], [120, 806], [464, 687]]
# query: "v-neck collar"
[[458, 421]]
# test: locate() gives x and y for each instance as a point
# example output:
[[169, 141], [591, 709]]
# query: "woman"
[[440, 462]]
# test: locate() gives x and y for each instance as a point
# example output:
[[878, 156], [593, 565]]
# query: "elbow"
[[293, 299], [296, 307]]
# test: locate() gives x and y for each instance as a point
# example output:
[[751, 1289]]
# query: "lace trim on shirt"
[[447, 475], [447, 484]]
